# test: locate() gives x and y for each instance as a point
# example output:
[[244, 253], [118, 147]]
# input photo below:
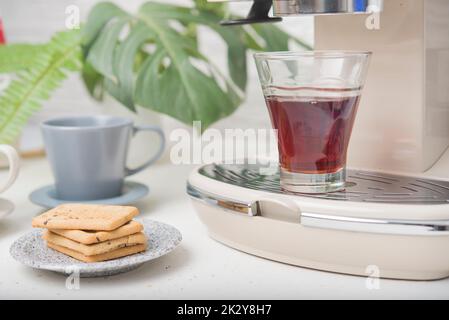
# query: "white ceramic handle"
[[14, 165]]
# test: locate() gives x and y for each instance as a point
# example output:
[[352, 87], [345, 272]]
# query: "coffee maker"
[[395, 213]]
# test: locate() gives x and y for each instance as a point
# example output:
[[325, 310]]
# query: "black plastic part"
[[258, 14]]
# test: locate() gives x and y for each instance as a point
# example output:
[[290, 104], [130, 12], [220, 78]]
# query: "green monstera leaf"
[[152, 58]]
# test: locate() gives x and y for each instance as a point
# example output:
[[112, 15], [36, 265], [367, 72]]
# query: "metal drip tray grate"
[[363, 186]]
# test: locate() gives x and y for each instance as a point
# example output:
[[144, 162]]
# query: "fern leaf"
[[16, 57], [33, 86]]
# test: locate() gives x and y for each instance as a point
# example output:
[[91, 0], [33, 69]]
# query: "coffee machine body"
[[394, 213]]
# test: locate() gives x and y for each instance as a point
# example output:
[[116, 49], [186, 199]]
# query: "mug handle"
[[159, 152], [14, 164]]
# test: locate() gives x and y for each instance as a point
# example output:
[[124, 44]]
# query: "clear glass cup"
[[312, 98]]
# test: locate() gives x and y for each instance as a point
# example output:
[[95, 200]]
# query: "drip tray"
[[397, 224], [362, 186]]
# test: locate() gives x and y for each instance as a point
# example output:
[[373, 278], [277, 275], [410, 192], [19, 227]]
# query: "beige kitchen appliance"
[[394, 215]]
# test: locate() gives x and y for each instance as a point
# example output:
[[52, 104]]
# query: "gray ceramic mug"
[[88, 155]]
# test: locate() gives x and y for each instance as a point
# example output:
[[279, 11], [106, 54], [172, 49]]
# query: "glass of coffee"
[[312, 98]]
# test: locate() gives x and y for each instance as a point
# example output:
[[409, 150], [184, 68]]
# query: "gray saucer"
[[132, 191], [32, 251]]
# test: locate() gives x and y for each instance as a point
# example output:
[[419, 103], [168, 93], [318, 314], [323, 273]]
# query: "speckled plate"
[[32, 251]]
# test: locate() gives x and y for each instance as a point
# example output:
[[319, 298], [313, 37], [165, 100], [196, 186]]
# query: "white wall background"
[[37, 20]]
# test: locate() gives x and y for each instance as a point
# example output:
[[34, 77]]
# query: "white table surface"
[[199, 268]]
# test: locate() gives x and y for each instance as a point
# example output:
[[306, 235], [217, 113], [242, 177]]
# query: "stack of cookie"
[[92, 233]]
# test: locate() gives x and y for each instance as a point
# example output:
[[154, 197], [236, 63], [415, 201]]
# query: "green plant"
[[39, 71], [151, 59]]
